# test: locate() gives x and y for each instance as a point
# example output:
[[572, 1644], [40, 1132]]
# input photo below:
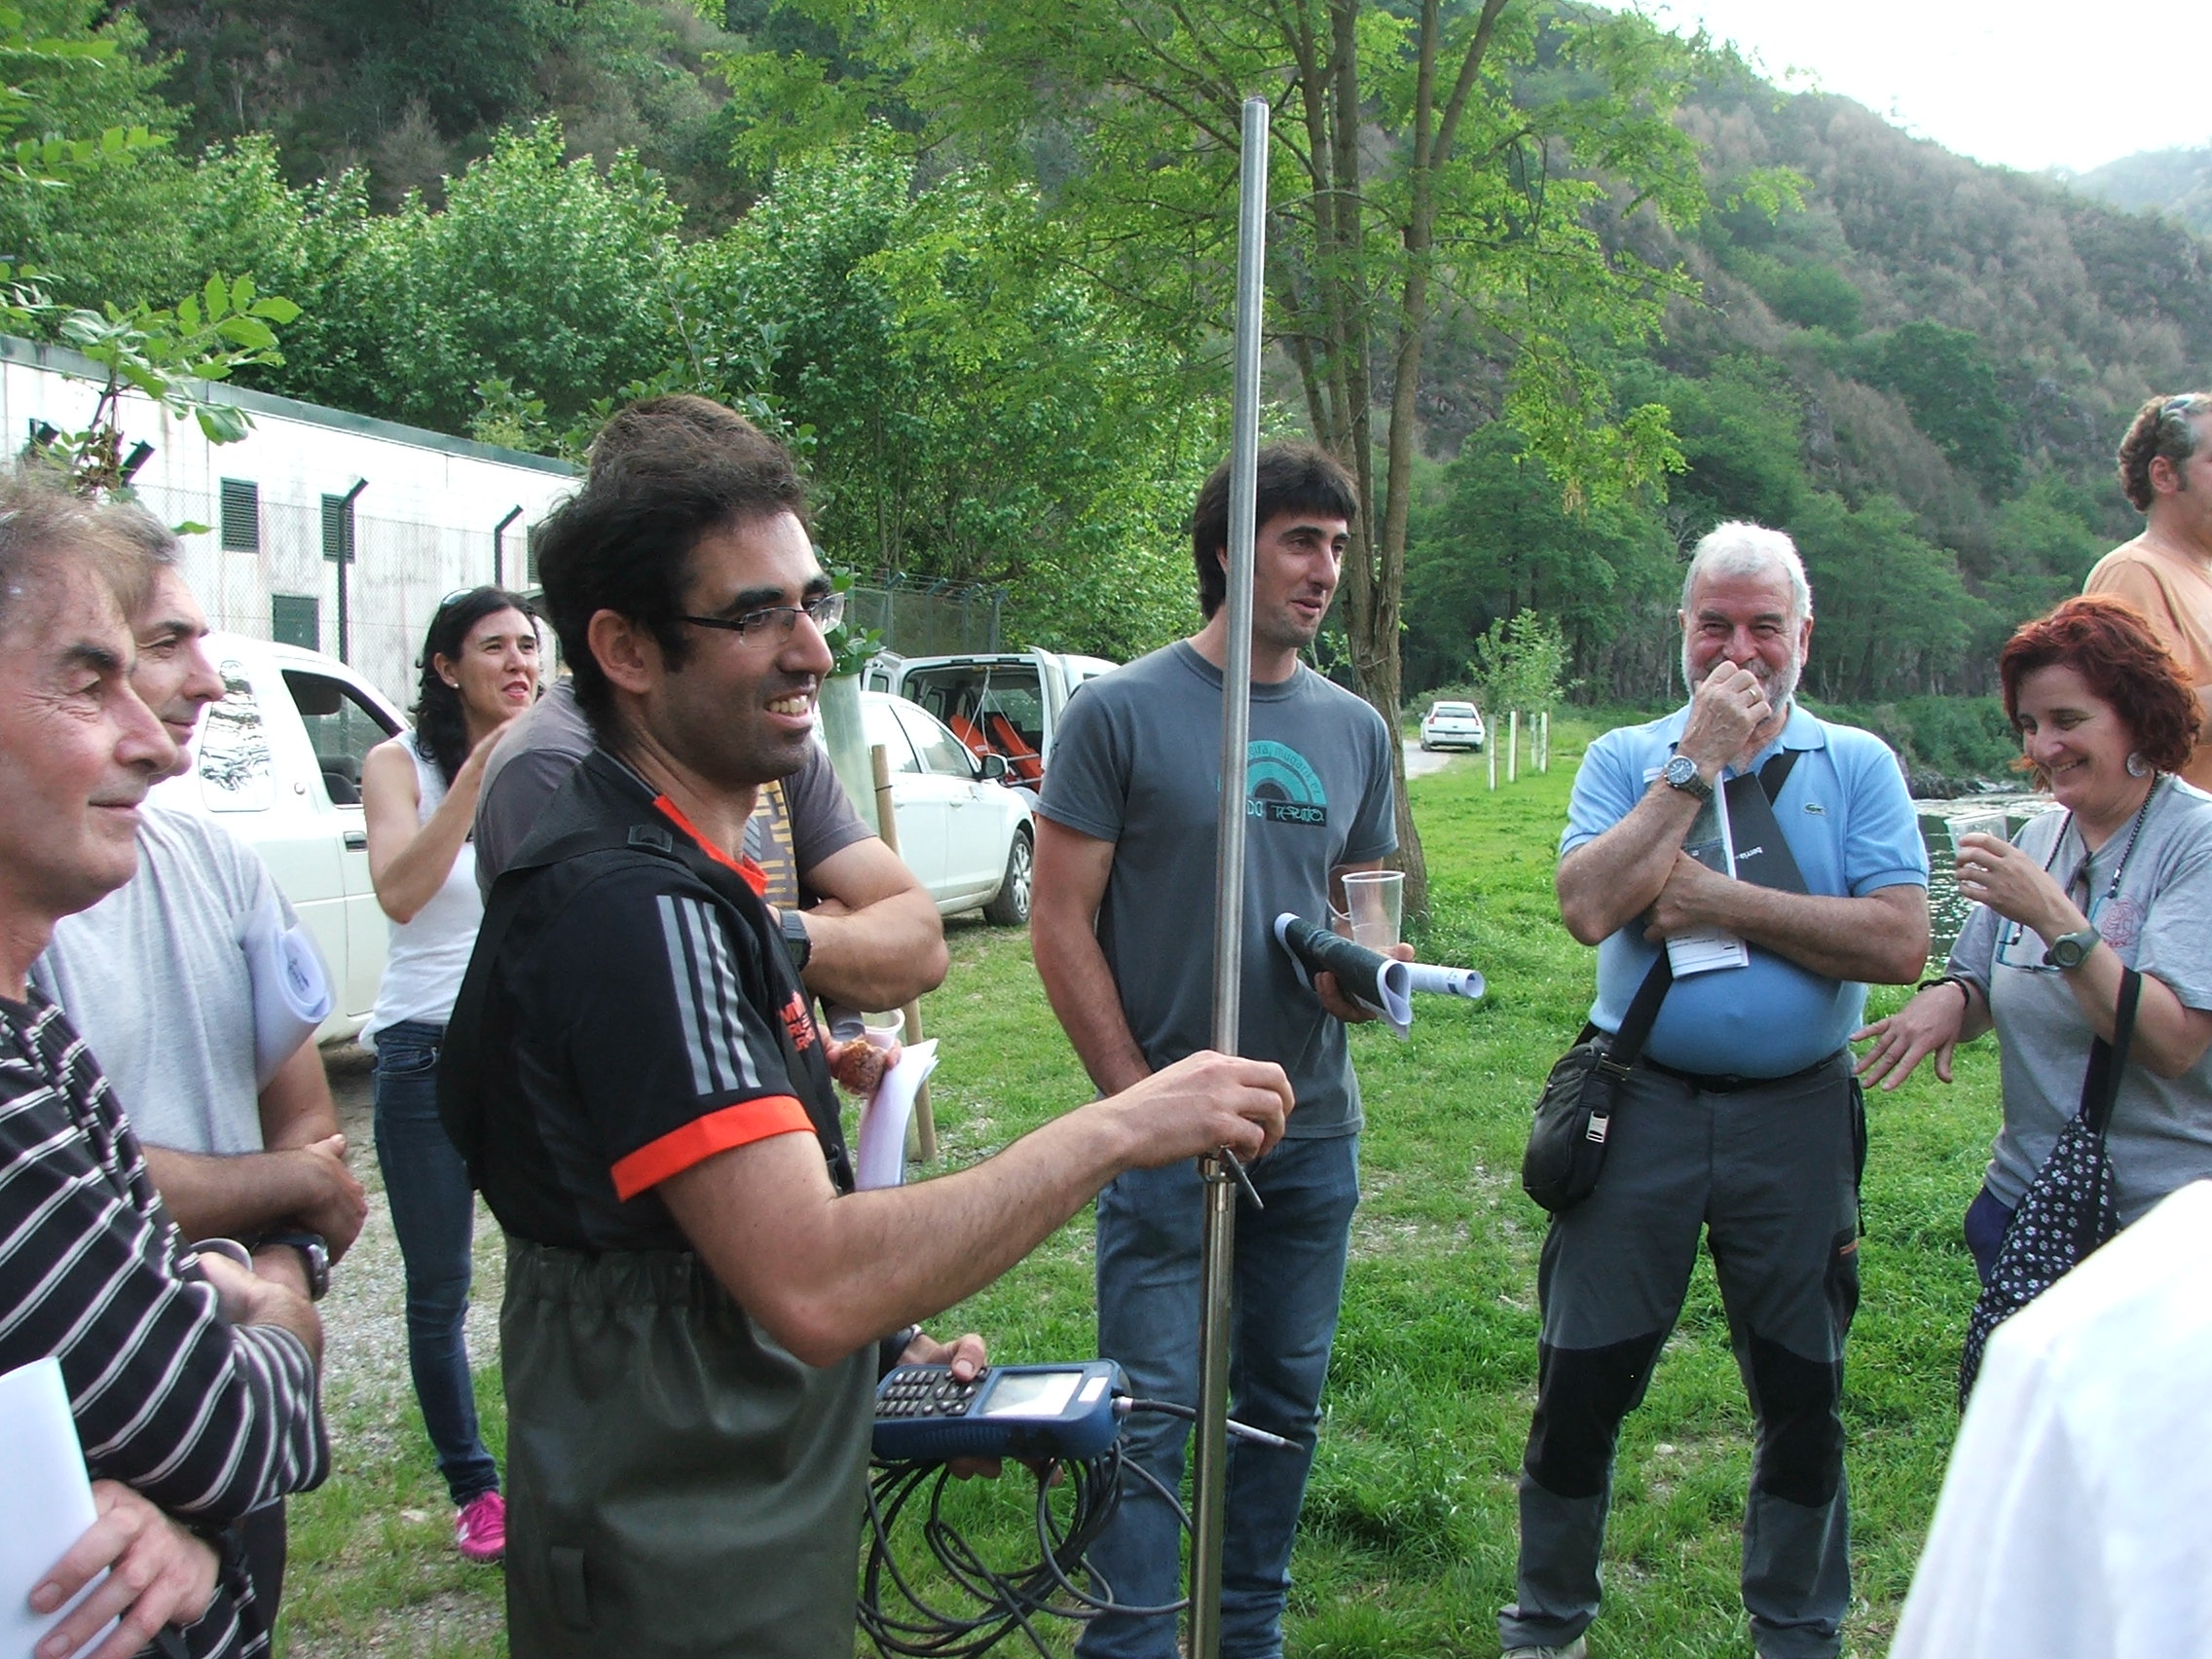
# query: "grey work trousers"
[[1769, 1171]]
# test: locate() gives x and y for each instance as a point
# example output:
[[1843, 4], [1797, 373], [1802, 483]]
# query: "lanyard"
[[2127, 852]]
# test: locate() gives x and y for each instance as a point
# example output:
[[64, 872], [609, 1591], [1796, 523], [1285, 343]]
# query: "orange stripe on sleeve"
[[700, 1139]]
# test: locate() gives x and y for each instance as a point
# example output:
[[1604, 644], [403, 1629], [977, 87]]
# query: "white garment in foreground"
[[2075, 1521]]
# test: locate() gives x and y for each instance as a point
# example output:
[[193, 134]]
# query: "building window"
[[337, 530], [242, 516], [296, 619]]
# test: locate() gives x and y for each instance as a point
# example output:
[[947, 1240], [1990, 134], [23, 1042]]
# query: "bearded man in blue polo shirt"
[[1741, 1119]]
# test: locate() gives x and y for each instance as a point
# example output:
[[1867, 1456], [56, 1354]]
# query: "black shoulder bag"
[[1574, 1113], [2068, 1211]]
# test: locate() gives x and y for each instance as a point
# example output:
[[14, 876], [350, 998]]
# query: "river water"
[[1941, 823]]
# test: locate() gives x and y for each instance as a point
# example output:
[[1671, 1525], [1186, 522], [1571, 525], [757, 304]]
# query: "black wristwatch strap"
[[796, 940], [314, 1256]]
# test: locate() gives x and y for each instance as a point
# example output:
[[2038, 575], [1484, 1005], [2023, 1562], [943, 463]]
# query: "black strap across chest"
[[463, 1080], [1643, 1008]]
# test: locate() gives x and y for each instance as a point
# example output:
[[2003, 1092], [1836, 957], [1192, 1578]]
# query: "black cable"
[[1075, 1500]]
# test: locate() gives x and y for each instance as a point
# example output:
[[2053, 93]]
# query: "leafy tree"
[[1891, 615], [1428, 162], [1497, 539], [538, 270], [1519, 664], [976, 412], [1947, 380]]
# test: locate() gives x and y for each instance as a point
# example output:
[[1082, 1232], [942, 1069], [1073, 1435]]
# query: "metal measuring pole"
[[1217, 1258]]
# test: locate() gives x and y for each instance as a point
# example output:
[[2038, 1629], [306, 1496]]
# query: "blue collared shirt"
[[1851, 827]]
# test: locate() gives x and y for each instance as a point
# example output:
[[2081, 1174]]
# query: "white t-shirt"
[[429, 953], [2075, 1521], [154, 979]]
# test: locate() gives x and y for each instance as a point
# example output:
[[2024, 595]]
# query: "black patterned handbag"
[[2068, 1209]]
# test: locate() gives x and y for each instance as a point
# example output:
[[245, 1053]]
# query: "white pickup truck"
[[278, 761], [1005, 703]]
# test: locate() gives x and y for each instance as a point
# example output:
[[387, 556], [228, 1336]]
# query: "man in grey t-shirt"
[[1123, 938]]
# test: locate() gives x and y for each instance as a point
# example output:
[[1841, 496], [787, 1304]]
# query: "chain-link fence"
[[921, 617]]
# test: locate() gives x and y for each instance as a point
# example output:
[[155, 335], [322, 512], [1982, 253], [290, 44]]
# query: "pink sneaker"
[[480, 1528]]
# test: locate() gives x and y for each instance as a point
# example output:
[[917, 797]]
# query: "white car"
[[968, 837], [1453, 725], [278, 761]]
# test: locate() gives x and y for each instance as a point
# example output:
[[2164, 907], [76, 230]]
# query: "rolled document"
[[882, 1161], [291, 992], [1375, 980], [1445, 982]]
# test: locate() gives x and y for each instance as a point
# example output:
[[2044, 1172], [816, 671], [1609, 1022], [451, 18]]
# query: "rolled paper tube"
[[1428, 977], [1380, 982]]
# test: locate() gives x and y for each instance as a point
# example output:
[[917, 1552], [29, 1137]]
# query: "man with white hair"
[[1741, 1117]]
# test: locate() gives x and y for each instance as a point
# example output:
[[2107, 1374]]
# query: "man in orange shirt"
[[2166, 468]]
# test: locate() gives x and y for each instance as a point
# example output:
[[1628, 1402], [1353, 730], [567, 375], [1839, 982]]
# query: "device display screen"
[[1033, 1394]]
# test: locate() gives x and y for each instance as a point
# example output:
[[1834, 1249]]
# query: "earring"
[[2138, 768]]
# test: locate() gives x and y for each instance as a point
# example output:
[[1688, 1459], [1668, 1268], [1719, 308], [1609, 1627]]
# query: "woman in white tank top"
[[479, 670]]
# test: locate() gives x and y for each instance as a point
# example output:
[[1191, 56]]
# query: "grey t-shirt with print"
[[1137, 761], [156, 980], [2160, 924]]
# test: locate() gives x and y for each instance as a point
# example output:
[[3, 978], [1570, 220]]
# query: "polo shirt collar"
[[1801, 730]]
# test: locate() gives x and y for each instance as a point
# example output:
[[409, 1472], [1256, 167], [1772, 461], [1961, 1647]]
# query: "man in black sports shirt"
[[695, 1296]]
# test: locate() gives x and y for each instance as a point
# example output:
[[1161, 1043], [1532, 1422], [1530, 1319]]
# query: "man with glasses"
[[2165, 469], [863, 932], [697, 1300], [1741, 1120]]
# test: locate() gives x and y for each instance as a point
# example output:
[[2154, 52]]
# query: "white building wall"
[[422, 526]]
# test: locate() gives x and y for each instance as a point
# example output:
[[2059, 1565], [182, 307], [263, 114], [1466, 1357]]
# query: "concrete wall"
[[422, 528]]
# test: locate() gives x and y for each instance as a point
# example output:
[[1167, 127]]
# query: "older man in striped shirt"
[[192, 1380]]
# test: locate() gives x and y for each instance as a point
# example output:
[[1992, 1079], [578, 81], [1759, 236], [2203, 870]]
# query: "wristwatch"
[[2068, 951], [796, 940], [315, 1255], [1681, 773]]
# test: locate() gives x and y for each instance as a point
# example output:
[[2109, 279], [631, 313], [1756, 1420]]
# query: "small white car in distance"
[[967, 837], [1453, 725]]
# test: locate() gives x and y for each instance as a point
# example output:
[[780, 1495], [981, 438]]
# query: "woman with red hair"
[[2121, 878]]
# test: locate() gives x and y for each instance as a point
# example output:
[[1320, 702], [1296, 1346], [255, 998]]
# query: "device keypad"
[[927, 1392]]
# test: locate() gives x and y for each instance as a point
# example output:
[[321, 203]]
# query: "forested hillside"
[[499, 216], [2177, 182]]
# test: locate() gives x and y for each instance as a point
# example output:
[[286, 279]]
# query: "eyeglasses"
[[775, 622]]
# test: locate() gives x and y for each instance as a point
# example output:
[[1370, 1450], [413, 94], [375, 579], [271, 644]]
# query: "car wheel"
[[1010, 905], [1427, 746]]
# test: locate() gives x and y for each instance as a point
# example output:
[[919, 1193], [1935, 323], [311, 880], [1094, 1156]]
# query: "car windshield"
[[1452, 711]]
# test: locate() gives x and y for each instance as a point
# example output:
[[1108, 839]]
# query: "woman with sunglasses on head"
[[2121, 878], [479, 672]]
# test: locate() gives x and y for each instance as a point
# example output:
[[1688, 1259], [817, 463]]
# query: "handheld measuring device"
[[924, 1415]]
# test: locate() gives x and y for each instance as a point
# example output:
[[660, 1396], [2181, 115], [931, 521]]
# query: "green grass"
[[1407, 1542]]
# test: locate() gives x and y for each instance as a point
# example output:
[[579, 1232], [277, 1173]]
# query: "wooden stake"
[[925, 1121]]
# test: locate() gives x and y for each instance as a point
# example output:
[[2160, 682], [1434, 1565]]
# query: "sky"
[[2027, 83]]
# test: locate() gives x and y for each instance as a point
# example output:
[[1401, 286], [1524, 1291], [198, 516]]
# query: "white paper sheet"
[[1712, 841], [882, 1161], [47, 1502]]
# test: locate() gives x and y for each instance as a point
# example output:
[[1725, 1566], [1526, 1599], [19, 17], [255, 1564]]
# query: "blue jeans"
[[1290, 1278], [433, 1213]]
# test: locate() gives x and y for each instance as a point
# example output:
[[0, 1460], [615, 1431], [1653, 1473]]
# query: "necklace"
[[2126, 851]]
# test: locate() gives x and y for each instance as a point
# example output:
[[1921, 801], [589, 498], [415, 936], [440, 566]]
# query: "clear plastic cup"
[[1377, 899], [883, 1030]]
